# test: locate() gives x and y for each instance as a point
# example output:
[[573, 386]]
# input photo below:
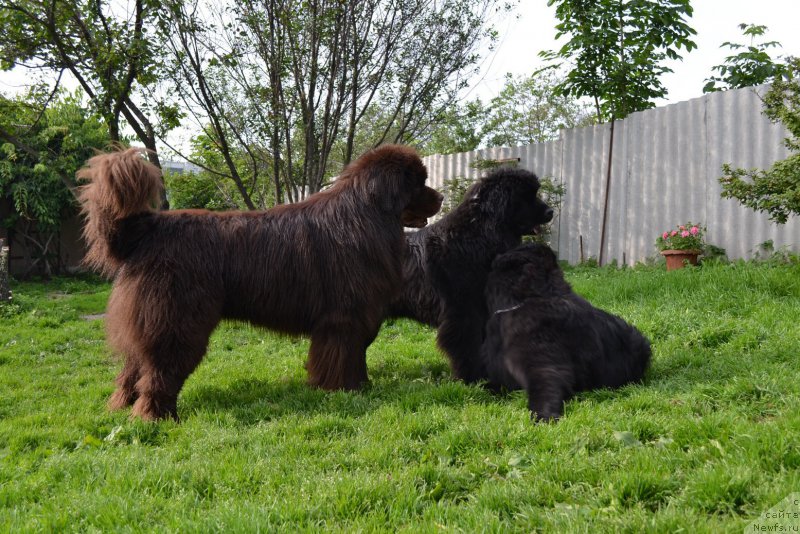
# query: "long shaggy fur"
[[545, 338], [326, 267], [447, 263]]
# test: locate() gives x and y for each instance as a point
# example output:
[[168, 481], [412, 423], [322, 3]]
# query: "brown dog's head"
[[393, 177], [424, 204]]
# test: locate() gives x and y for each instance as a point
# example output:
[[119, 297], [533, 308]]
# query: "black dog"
[[447, 262], [544, 338]]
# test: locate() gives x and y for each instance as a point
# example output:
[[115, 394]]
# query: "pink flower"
[[683, 228], [665, 235], [684, 234], [694, 230], [674, 233]]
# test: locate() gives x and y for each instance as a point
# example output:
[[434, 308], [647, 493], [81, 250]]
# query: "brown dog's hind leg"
[[125, 394], [337, 358], [158, 395], [124, 340], [162, 377], [168, 358]]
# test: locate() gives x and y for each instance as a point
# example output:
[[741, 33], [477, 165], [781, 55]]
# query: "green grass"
[[711, 440]]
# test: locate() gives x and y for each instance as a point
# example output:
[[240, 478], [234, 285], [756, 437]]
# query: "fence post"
[[5, 289]]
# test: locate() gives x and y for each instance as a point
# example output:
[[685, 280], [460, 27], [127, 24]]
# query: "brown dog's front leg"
[[337, 358]]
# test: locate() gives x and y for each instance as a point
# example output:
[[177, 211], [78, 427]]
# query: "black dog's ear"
[[529, 280], [508, 262], [532, 270]]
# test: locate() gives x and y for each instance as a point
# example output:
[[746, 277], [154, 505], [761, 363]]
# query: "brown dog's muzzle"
[[425, 204]]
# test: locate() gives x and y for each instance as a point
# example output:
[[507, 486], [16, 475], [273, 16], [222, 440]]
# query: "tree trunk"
[[601, 256]]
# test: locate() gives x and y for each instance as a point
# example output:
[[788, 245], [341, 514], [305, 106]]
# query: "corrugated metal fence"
[[665, 166]]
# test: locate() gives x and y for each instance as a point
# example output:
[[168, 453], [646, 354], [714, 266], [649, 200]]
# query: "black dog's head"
[[393, 177], [510, 197], [526, 271]]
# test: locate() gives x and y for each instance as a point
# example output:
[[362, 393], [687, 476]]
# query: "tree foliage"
[[529, 110], [283, 90], [109, 48], [38, 158], [291, 85], [458, 128], [617, 50], [205, 189], [775, 191], [751, 66]]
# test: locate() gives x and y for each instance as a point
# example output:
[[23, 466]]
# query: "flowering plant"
[[686, 237]]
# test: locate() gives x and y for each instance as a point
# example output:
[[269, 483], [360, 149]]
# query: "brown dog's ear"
[[382, 176], [387, 190]]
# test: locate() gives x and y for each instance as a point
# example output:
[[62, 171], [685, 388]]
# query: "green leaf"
[[627, 438], [91, 441]]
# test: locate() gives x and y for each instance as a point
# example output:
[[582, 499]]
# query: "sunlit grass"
[[711, 439]]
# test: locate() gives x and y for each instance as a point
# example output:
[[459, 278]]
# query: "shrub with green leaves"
[[775, 191], [37, 169]]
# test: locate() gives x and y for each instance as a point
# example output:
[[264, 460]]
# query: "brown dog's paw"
[[148, 410], [120, 399]]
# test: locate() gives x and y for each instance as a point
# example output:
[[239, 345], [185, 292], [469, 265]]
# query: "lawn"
[[709, 442]]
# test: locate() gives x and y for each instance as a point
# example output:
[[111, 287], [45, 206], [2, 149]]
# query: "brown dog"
[[327, 266]]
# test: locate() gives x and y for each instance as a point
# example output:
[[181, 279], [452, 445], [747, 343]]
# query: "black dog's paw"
[[495, 388], [548, 411], [536, 417]]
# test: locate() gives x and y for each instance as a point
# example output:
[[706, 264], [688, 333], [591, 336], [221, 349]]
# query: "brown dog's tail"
[[120, 184]]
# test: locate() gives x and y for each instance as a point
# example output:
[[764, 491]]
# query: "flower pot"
[[676, 259]]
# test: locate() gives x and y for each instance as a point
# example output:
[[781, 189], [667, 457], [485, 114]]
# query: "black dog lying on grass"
[[543, 337]]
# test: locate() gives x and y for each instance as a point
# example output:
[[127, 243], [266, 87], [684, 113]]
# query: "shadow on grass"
[[407, 386], [410, 385]]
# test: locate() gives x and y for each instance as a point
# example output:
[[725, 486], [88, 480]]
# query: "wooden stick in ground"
[[5, 288]]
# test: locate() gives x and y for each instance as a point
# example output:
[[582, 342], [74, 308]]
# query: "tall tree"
[[775, 191], [752, 65], [618, 49], [105, 46], [282, 81]]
